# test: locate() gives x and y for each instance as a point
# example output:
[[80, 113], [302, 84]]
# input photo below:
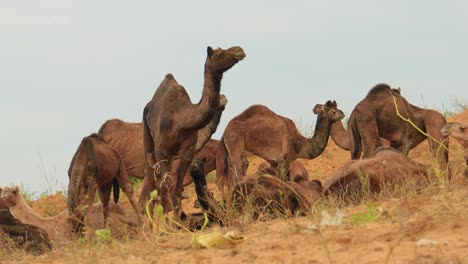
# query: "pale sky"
[[68, 66]]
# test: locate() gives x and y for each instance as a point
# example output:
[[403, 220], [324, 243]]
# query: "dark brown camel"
[[459, 132], [274, 138], [95, 165], [297, 171], [262, 191], [386, 168], [171, 125], [375, 117], [127, 139]]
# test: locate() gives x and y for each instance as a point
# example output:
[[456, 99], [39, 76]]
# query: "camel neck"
[[315, 145], [23, 212], [199, 115], [339, 135]]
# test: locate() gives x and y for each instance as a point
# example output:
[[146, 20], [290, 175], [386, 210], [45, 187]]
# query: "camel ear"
[[209, 51], [318, 109]]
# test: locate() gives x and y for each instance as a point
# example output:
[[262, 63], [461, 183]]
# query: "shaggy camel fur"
[[459, 132], [297, 171], [127, 139], [59, 227], [387, 167], [95, 165], [262, 191], [31, 238], [375, 117], [171, 125], [274, 138]]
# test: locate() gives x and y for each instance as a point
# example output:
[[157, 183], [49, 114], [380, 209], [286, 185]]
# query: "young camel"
[[459, 131], [274, 138], [58, 227], [171, 126], [95, 165], [376, 117]]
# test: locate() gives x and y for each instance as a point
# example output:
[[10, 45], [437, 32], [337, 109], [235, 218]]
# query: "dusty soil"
[[428, 227]]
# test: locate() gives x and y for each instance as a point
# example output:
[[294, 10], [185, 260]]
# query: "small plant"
[[104, 235], [370, 215], [135, 181]]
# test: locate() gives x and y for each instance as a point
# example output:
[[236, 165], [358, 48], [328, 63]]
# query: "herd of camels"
[[172, 148]]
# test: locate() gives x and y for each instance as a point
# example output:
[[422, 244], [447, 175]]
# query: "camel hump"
[[169, 76], [111, 123], [381, 87], [97, 136]]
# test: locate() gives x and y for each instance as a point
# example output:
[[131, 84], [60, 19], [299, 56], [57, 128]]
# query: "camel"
[[31, 238], [171, 125], [297, 171], [260, 190], [95, 165], [375, 117], [58, 227], [274, 138], [386, 168], [459, 131], [127, 139]]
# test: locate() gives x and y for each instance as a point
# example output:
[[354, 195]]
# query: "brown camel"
[[171, 125], [31, 238], [386, 168], [95, 165], [459, 132], [375, 117], [297, 171], [127, 139], [262, 191], [274, 138], [59, 227]]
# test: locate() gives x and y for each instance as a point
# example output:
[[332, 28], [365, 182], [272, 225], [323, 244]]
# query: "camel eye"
[[14, 192], [462, 129]]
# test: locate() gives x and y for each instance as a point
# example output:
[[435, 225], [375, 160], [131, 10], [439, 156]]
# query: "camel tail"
[[116, 189], [354, 140], [148, 143]]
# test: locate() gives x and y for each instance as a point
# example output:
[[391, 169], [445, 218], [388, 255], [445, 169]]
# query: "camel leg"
[[370, 138], [438, 151], [104, 196], [186, 157], [282, 169], [126, 186], [149, 182], [91, 194], [163, 179]]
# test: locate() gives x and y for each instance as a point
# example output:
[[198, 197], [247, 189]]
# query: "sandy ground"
[[430, 227]]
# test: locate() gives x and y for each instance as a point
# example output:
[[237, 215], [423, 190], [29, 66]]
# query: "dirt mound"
[[50, 205]]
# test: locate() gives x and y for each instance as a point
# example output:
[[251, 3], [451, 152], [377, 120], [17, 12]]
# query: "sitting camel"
[[95, 165], [172, 124], [376, 117], [459, 132], [58, 227], [274, 138], [262, 191], [297, 171], [386, 168], [31, 238]]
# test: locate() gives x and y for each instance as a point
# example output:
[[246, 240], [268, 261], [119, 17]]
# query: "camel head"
[[331, 113], [220, 60], [458, 131], [10, 195]]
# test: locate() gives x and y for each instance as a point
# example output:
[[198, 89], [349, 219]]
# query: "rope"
[[157, 171], [420, 130]]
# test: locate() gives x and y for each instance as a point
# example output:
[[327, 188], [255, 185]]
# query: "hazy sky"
[[67, 66]]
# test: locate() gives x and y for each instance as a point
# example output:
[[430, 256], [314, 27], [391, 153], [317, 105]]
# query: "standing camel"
[[274, 138], [459, 132], [171, 124], [376, 117], [95, 165]]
